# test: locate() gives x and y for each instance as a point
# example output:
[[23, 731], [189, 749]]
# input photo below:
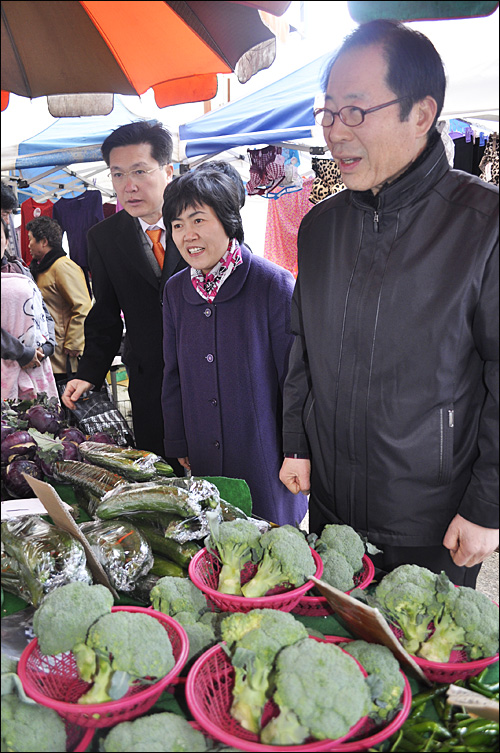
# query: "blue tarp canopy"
[[39, 161], [279, 112]]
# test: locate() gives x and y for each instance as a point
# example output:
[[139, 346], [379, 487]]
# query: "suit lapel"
[[130, 241]]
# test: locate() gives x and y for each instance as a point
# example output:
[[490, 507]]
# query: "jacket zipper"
[[375, 222]]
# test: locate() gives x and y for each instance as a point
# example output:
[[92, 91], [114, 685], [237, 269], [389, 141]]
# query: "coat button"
[[216, 445], [208, 312], [213, 401], [209, 358]]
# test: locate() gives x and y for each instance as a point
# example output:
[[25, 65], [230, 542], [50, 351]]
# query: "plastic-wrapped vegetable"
[[11, 576], [136, 465], [97, 481], [131, 499], [48, 557], [122, 550]]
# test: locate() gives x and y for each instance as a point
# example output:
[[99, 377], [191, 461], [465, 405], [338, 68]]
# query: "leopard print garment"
[[328, 180], [489, 162]]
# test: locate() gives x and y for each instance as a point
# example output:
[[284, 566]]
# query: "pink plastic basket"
[[458, 668], [370, 734], [204, 571], [53, 681], [78, 738], [209, 695], [318, 606]]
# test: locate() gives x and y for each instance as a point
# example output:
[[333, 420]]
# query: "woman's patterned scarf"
[[209, 285]]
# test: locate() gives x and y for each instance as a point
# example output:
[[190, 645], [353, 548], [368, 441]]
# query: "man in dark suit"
[[128, 274]]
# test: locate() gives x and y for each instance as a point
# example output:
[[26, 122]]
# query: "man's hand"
[[71, 353], [469, 544], [73, 392], [185, 463], [295, 474]]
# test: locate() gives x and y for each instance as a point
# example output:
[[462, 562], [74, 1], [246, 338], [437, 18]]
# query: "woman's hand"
[[185, 463]]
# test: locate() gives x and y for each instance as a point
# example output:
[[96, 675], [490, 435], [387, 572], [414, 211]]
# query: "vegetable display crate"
[[458, 668], [209, 695], [318, 606], [53, 681], [370, 734], [204, 571]]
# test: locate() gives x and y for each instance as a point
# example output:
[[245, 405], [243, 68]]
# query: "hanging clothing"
[[283, 220], [267, 169], [32, 210], [489, 163], [76, 217], [468, 155], [328, 179], [108, 209], [24, 317]]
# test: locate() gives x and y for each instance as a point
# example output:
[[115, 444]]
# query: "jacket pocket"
[[446, 434]]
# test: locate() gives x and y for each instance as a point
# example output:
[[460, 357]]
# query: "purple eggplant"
[[18, 443], [15, 483], [72, 434], [6, 430], [44, 420], [71, 451], [101, 436]]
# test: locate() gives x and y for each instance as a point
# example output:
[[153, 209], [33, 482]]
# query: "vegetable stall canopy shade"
[[283, 111], [41, 162], [51, 48]]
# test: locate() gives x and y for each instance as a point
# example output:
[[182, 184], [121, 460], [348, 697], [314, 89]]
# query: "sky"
[[324, 26]]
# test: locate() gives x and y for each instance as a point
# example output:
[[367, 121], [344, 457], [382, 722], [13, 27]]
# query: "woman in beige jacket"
[[64, 291]]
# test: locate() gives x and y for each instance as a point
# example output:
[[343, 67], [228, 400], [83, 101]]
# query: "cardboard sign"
[[474, 703], [368, 624], [55, 507]]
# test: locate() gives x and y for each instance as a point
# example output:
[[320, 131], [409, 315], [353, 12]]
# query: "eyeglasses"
[[350, 116], [139, 176]]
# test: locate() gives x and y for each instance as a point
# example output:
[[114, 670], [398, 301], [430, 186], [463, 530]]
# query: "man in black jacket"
[[128, 274], [391, 400]]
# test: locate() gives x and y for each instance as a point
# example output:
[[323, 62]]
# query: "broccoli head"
[[337, 571], [286, 558], [344, 540], [157, 732], [407, 597], [128, 646], [63, 618], [447, 635], [254, 639], [235, 543], [320, 691], [385, 681], [172, 595], [29, 726], [200, 635], [477, 615]]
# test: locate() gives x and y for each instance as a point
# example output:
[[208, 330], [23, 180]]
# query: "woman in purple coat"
[[226, 345]]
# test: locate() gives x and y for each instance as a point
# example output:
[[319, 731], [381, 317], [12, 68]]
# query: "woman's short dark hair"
[[46, 227], [141, 132], [210, 187], [414, 67], [231, 172]]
